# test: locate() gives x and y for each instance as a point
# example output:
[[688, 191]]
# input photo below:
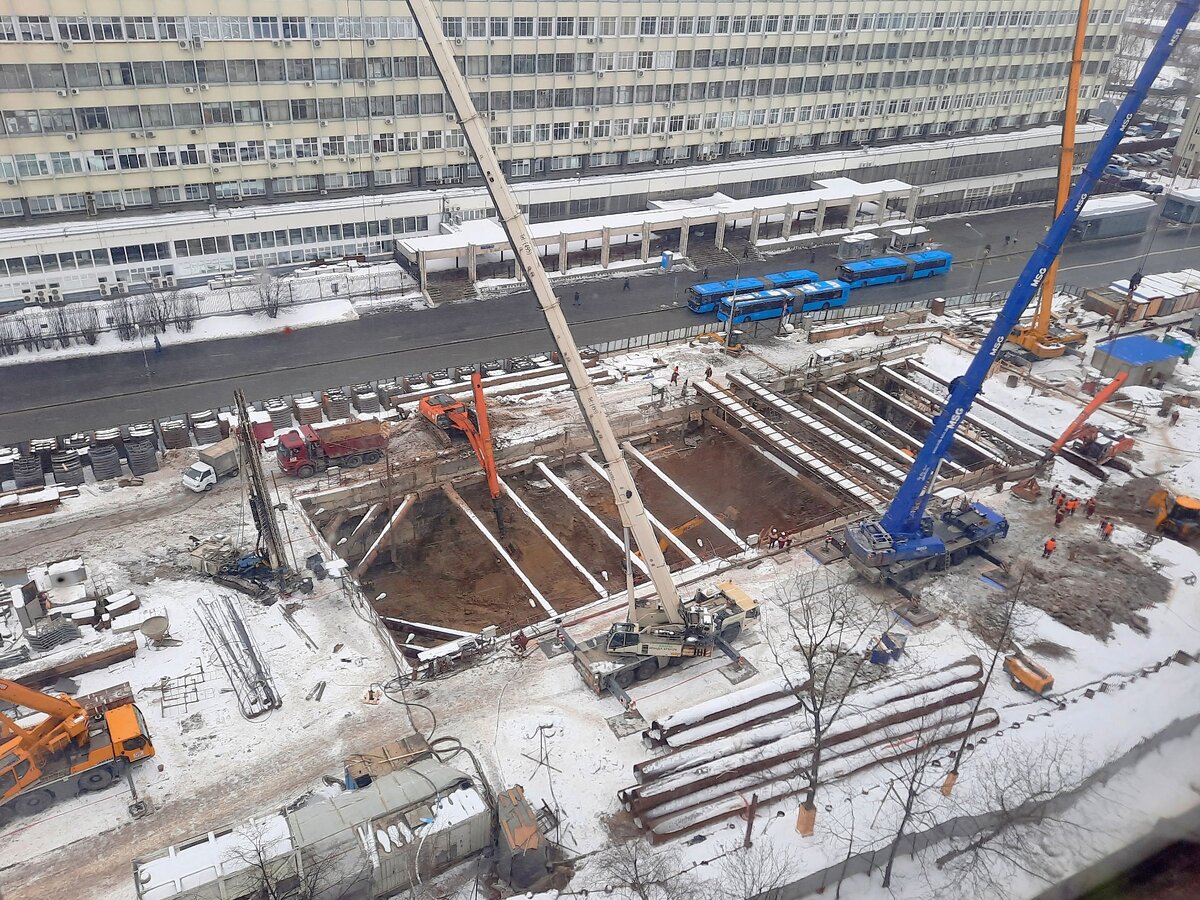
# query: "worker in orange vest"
[[1060, 501], [1106, 529], [1072, 505], [1050, 546]]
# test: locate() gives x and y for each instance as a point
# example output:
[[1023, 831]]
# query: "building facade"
[[110, 114]]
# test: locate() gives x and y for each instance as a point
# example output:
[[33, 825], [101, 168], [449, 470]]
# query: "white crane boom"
[[629, 502]]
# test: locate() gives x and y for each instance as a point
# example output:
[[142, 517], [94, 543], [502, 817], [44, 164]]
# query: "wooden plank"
[[78, 666]]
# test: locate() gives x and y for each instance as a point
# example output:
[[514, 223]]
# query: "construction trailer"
[[359, 845], [1113, 215], [1182, 205], [1142, 360]]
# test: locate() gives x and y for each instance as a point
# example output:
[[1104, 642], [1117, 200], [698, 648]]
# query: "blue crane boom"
[[904, 532]]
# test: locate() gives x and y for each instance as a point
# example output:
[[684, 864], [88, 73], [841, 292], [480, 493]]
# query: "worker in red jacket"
[[1090, 509], [1048, 548]]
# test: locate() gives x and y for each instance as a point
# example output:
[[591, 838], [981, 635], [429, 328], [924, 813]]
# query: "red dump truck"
[[309, 449]]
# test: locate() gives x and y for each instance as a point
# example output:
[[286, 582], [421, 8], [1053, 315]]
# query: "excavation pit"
[[447, 574]]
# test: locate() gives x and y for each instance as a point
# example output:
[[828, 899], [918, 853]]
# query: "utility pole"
[[261, 508]]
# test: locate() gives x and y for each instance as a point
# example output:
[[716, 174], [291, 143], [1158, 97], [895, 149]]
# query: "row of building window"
[[51, 263], [59, 76], [231, 28], [323, 109], [137, 197], [32, 165]]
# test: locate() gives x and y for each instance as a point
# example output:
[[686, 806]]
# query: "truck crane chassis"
[[907, 533]]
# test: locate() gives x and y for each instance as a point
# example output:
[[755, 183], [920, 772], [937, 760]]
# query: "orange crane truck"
[[70, 752]]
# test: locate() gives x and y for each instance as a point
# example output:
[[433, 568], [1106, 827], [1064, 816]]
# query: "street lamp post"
[[737, 276], [987, 249]]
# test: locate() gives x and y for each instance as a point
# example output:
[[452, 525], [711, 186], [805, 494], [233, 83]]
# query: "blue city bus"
[[890, 269], [703, 298], [820, 295], [880, 270], [794, 278], [930, 262], [771, 304]]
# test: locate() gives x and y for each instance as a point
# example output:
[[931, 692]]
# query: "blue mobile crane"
[[907, 538]]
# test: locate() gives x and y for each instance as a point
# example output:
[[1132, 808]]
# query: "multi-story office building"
[[114, 118]]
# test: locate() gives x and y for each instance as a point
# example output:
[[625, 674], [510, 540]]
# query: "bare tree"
[[269, 292], [755, 871], [828, 623], [910, 757], [273, 872], [633, 870], [29, 331], [1133, 43], [9, 344], [59, 320], [157, 309], [123, 317], [85, 323], [1017, 793], [187, 311]]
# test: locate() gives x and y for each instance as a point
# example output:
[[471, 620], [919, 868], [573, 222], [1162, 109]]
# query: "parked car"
[[1164, 153], [1152, 187], [1117, 171], [1145, 159], [1119, 160]]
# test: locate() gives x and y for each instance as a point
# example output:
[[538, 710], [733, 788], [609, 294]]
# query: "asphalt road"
[[54, 397]]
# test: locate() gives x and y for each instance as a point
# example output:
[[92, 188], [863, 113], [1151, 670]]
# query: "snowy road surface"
[[39, 398]]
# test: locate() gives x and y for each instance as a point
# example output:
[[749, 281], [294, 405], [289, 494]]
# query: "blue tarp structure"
[[1139, 350]]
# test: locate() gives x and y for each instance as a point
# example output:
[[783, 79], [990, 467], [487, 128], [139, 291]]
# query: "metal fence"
[[638, 341]]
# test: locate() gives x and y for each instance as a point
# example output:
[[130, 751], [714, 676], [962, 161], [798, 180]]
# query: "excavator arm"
[[628, 502], [1096, 402]]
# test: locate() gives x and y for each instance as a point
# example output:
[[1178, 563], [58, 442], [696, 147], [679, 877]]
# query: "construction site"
[[891, 604]]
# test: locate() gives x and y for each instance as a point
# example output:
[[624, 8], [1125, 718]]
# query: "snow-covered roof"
[[486, 234], [1190, 194], [217, 855], [1114, 203], [1139, 350]]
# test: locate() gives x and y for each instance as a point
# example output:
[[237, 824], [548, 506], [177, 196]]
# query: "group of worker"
[[1065, 505], [779, 540]]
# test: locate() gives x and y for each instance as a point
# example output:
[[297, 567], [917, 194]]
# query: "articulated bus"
[[820, 295], [703, 298], [771, 304], [890, 269]]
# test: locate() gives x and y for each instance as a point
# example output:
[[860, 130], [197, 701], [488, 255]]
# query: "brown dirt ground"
[[1066, 587], [448, 575], [740, 487], [596, 552]]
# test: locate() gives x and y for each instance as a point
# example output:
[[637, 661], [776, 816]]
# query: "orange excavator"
[[70, 752], [453, 418], [1100, 445]]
